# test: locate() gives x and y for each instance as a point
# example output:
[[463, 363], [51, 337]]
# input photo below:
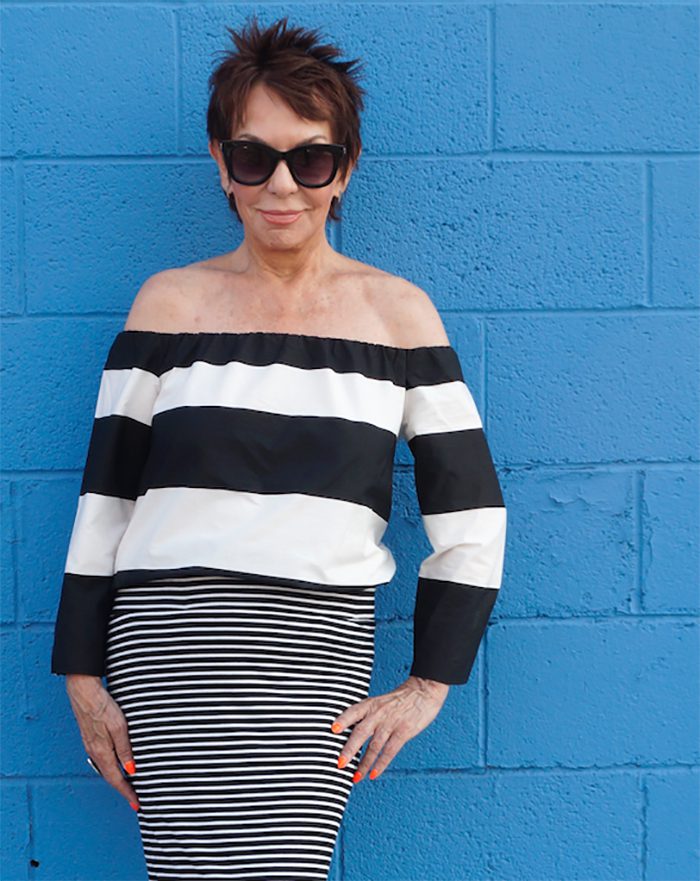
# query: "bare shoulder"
[[414, 317], [161, 303]]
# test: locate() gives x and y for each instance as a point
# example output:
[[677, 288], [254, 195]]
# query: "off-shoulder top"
[[267, 457]]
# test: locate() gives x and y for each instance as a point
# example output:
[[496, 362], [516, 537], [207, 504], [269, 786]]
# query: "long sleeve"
[[116, 454], [463, 514]]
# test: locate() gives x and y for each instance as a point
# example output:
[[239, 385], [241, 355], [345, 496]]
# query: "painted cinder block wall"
[[534, 167]]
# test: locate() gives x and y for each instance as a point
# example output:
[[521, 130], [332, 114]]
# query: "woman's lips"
[[281, 219]]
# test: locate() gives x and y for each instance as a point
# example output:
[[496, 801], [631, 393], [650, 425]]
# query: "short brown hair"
[[301, 70]]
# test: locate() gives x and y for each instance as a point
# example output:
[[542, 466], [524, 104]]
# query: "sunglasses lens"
[[249, 164], [313, 166], [252, 164]]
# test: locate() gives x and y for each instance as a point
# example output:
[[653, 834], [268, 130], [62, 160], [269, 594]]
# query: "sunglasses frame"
[[227, 147]]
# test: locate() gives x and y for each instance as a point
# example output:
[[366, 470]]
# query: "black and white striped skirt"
[[229, 691]]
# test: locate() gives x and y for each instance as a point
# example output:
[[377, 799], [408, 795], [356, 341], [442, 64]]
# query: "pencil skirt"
[[229, 691]]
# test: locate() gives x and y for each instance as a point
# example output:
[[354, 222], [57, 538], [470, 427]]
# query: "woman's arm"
[[465, 520], [460, 500], [116, 454]]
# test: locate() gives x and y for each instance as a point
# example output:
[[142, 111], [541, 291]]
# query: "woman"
[[227, 546]]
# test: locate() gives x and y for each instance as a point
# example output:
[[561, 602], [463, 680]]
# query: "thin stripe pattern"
[[229, 690]]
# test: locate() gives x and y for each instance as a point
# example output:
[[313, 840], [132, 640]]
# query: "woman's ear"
[[217, 156]]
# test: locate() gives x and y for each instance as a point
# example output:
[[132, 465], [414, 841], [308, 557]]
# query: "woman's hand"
[[104, 731], [391, 720]]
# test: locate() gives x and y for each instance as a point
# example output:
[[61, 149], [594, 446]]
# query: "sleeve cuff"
[[448, 625], [80, 635]]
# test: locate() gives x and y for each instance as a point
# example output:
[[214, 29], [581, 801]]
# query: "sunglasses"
[[311, 165]]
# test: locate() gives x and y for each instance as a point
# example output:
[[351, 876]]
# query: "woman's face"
[[272, 120]]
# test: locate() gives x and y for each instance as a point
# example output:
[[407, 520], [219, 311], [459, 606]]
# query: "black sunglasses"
[[311, 165]]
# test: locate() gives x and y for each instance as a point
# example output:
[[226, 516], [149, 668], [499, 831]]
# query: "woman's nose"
[[281, 179]]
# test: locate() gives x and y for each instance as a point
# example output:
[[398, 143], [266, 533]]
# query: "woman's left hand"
[[391, 720]]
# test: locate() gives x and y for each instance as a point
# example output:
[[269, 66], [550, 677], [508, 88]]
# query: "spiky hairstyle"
[[294, 63]]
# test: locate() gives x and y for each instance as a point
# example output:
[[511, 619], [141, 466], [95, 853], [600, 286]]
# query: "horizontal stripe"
[[431, 365], [311, 538], [468, 546], [136, 349], [249, 451], [446, 406], [128, 577], [283, 390], [129, 392], [159, 351], [236, 765], [99, 525], [454, 471], [162, 352], [116, 457]]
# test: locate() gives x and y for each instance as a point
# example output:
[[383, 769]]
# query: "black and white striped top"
[[267, 457]]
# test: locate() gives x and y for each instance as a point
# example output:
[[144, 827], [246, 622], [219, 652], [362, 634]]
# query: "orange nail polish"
[[134, 806], [342, 761], [373, 773], [357, 776], [130, 767], [335, 728]]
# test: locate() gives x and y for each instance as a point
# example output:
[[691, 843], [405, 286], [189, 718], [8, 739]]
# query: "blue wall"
[[534, 167]]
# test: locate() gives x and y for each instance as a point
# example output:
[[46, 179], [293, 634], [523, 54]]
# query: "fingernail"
[[356, 777], [134, 805], [373, 773], [336, 728], [342, 761], [130, 767]]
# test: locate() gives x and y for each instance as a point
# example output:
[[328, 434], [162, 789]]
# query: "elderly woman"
[[227, 545]]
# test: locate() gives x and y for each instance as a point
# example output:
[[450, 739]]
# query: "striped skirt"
[[229, 691]]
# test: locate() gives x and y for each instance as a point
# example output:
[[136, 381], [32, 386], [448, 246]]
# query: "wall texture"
[[534, 167]]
